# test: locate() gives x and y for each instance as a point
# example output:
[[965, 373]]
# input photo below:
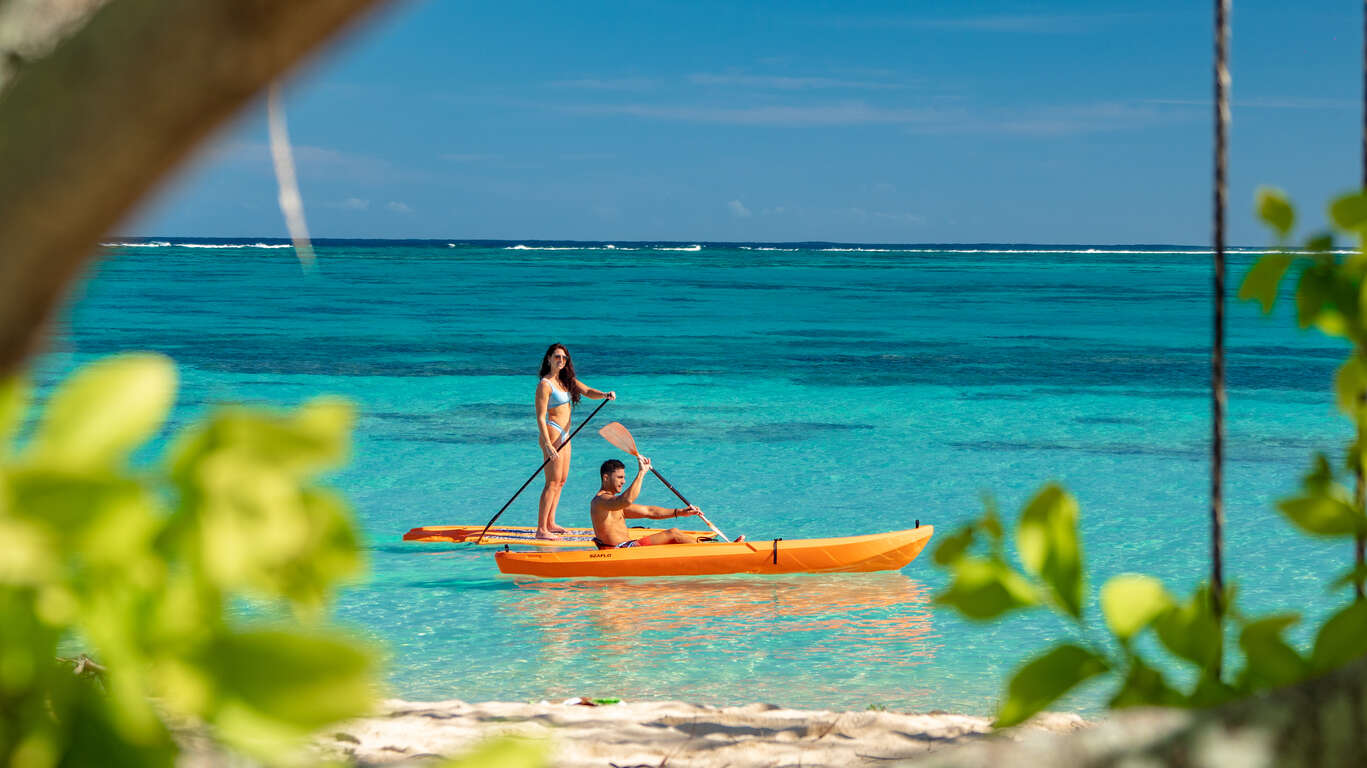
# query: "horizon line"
[[278, 239]]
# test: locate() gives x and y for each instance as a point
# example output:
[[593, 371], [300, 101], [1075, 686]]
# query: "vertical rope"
[[291, 203], [1217, 511]]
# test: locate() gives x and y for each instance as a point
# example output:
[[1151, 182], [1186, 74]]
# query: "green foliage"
[[984, 589], [1272, 662], [139, 565], [1049, 547], [504, 753], [1276, 211], [1349, 213], [1342, 639], [1331, 296], [1130, 602], [1263, 280], [1046, 678]]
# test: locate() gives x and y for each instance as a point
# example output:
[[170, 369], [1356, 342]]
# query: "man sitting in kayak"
[[611, 505]]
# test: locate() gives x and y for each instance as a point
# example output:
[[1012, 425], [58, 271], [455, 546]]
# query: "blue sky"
[[1062, 122]]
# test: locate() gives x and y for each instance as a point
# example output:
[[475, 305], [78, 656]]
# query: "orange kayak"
[[515, 534], [876, 552]]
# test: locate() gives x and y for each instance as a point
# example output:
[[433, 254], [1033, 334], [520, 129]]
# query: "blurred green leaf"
[[991, 521], [1321, 243], [14, 397], [1350, 383], [1275, 211], [1321, 515], [27, 554], [95, 739], [983, 589], [1349, 212], [300, 680], [1049, 547], [105, 411], [1269, 662], [1191, 632], [1046, 678], [316, 437], [1144, 686], [1313, 294], [504, 752], [1320, 479], [1130, 602], [1342, 639], [953, 546], [1264, 279], [1210, 692], [89, 551], [1358, 573]]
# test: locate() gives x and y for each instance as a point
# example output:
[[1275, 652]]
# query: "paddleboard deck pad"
[[499, 535]]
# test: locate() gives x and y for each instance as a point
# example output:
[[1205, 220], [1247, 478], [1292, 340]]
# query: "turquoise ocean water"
[[793, 391]]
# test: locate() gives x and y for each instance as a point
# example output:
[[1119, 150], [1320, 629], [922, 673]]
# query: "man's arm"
[[628, 495], [658, 513]]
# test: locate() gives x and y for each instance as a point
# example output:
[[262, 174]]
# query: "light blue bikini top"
[[558, 397]]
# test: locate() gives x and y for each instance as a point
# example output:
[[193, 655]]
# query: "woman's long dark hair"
[[566, 374]]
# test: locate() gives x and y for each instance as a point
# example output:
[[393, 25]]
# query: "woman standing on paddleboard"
[[556, 394]]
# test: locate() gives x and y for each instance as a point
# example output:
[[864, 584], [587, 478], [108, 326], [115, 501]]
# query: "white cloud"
[[474, 157], [1043, 120], [606, 84], [863, 215], [782, 83], [397, 207], [354, 204], [588, 156], [1034, 23], [315, 162], [847, 113], [1262, 103], [738, 209]]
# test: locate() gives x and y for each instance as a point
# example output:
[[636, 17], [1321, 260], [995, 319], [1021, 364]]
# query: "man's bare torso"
[[608, 525]]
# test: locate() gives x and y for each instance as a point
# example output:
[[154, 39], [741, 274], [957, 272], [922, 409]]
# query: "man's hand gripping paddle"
[[618, 435]]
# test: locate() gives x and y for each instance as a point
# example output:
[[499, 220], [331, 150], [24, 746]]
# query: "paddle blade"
[[618, 435]]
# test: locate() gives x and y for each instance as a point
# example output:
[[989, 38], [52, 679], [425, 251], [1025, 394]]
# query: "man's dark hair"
[[610, 466]]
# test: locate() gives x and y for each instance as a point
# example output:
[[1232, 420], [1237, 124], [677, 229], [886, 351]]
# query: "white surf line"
[[291, 203]]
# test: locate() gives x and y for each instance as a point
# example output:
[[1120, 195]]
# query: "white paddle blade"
[[618, 435]]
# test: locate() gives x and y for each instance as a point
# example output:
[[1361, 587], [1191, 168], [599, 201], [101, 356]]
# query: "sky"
[[860, 122]]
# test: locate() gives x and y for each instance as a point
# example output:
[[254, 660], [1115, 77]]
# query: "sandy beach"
[[667, 733]]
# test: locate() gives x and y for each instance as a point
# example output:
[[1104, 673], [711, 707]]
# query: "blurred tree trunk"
[[99, 100]]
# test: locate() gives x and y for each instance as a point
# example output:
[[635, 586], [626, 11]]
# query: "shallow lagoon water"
[[798, 393]]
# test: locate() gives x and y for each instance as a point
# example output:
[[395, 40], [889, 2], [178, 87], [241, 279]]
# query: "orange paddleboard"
[[876, 552], [515, 534]]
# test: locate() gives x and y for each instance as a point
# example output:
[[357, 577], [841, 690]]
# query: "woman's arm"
[[543, 398], [591, 393]]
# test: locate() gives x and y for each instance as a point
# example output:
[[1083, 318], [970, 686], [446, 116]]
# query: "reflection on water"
[[794, 639]]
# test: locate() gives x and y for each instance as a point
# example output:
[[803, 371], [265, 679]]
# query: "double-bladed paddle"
[[480, 538], [615, 433]]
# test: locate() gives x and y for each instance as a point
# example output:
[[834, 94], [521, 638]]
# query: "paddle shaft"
[[492, 520], [709, 524]]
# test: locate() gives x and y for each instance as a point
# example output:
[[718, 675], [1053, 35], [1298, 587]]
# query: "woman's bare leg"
[[550, 495], [561, 471]]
